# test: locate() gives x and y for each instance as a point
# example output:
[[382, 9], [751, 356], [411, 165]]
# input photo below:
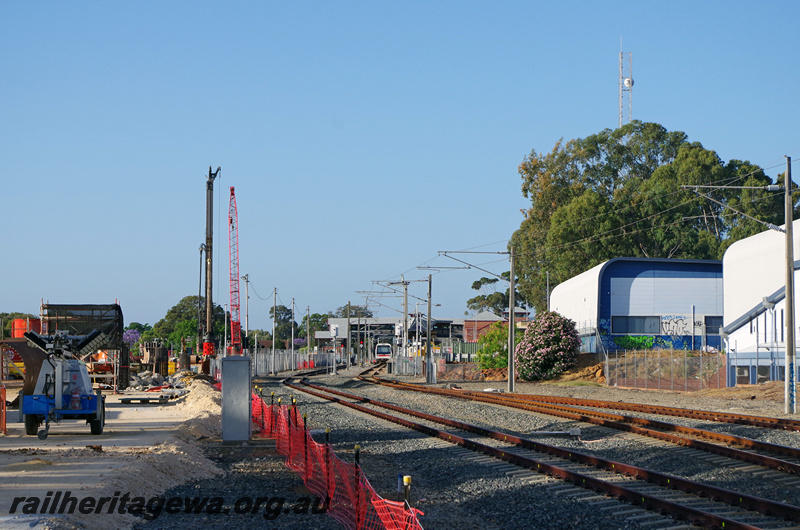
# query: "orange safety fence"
[[349, 497], [3, 409]]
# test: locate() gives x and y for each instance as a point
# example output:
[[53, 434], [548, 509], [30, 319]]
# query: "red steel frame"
[[233, 240]]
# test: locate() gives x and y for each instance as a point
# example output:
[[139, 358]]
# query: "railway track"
[[703, 415], [701, 504], [772, 456]]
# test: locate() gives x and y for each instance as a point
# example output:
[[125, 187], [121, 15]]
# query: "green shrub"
[[493, 347], [549, 347]]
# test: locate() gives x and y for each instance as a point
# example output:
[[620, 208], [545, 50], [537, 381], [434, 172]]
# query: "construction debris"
[[148, 381]]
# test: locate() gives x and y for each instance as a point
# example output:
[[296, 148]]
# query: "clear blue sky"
[[361, 137]]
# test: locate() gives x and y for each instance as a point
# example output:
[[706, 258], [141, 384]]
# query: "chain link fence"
[[678, 370]]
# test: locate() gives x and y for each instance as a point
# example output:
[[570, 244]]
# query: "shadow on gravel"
[[257, 491]]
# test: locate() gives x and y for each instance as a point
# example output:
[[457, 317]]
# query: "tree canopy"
[[491, 299], [619, 193], [318, 322], [283, 323], [356, 311], [181, 321]]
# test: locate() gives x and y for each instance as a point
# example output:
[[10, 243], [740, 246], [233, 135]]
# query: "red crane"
[[233, 240]]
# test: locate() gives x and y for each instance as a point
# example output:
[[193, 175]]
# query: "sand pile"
[[144, 472], [202, 410]]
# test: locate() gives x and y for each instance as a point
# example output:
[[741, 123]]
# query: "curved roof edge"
[[774, 298]]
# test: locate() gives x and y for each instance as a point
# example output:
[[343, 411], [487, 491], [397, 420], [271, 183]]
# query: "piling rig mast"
[[208, 340], [233, 240]]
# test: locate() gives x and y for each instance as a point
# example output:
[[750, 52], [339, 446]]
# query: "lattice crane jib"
[[233, 239]]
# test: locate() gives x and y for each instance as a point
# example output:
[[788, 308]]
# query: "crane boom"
[[233, 240]]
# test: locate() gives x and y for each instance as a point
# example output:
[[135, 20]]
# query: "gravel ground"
[[453, 487], [252, 471]]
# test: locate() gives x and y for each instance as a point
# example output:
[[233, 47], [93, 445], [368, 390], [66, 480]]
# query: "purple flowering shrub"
[[549, 347], [130, 336]]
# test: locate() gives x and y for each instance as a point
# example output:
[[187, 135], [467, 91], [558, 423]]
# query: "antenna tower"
[[233, 240], [625, 86]]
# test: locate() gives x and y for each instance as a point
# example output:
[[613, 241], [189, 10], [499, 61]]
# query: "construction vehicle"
[[63, 389]]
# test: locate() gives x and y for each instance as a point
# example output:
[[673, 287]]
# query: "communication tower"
[[625, 87]]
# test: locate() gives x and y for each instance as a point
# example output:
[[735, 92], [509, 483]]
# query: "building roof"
[[758, 309], [753, 268], [485, 316]]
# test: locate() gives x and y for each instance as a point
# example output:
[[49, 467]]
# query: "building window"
[[712, 325], [636, 325]]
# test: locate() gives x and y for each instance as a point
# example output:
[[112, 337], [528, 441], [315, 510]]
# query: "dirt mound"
[[495, 374], [771, 391], [587, 369]]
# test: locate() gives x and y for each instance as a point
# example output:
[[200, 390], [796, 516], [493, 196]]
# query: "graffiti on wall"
[[675, 325], [675, 339]]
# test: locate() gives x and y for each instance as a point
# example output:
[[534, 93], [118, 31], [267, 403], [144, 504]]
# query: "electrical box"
[[236, 396]]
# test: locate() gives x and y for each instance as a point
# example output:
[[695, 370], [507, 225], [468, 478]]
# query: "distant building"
[[389, 330], [479, 324], [638, 303]]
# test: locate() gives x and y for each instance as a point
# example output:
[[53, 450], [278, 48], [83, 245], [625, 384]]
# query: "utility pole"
[[511, 323], [197, 345], [308, 330], [405, 315], [293, 363], [347, 352], [274, 300], [404, 283], [365, 358], [548, 290], [790, 377], [225, 339], [430, 376], [246, 279], [208, 344]]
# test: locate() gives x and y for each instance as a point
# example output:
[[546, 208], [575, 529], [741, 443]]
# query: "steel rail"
[[764, 422], [763, 506], [625, 423], [701, 433]]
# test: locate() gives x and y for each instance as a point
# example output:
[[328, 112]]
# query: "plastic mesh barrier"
[[3, 409], [349, 497]]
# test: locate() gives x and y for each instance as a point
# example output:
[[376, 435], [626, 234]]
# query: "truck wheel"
[[97, 424], [31, 424]]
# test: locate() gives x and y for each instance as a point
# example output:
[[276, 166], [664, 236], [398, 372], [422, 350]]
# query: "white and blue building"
[[754, 329], [639, 303]]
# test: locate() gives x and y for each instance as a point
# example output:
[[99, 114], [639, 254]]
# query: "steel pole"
[[246, 279], [790, 377], [347, 351], [431, 374], [208, 347], [511, 323], [405, 316]]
